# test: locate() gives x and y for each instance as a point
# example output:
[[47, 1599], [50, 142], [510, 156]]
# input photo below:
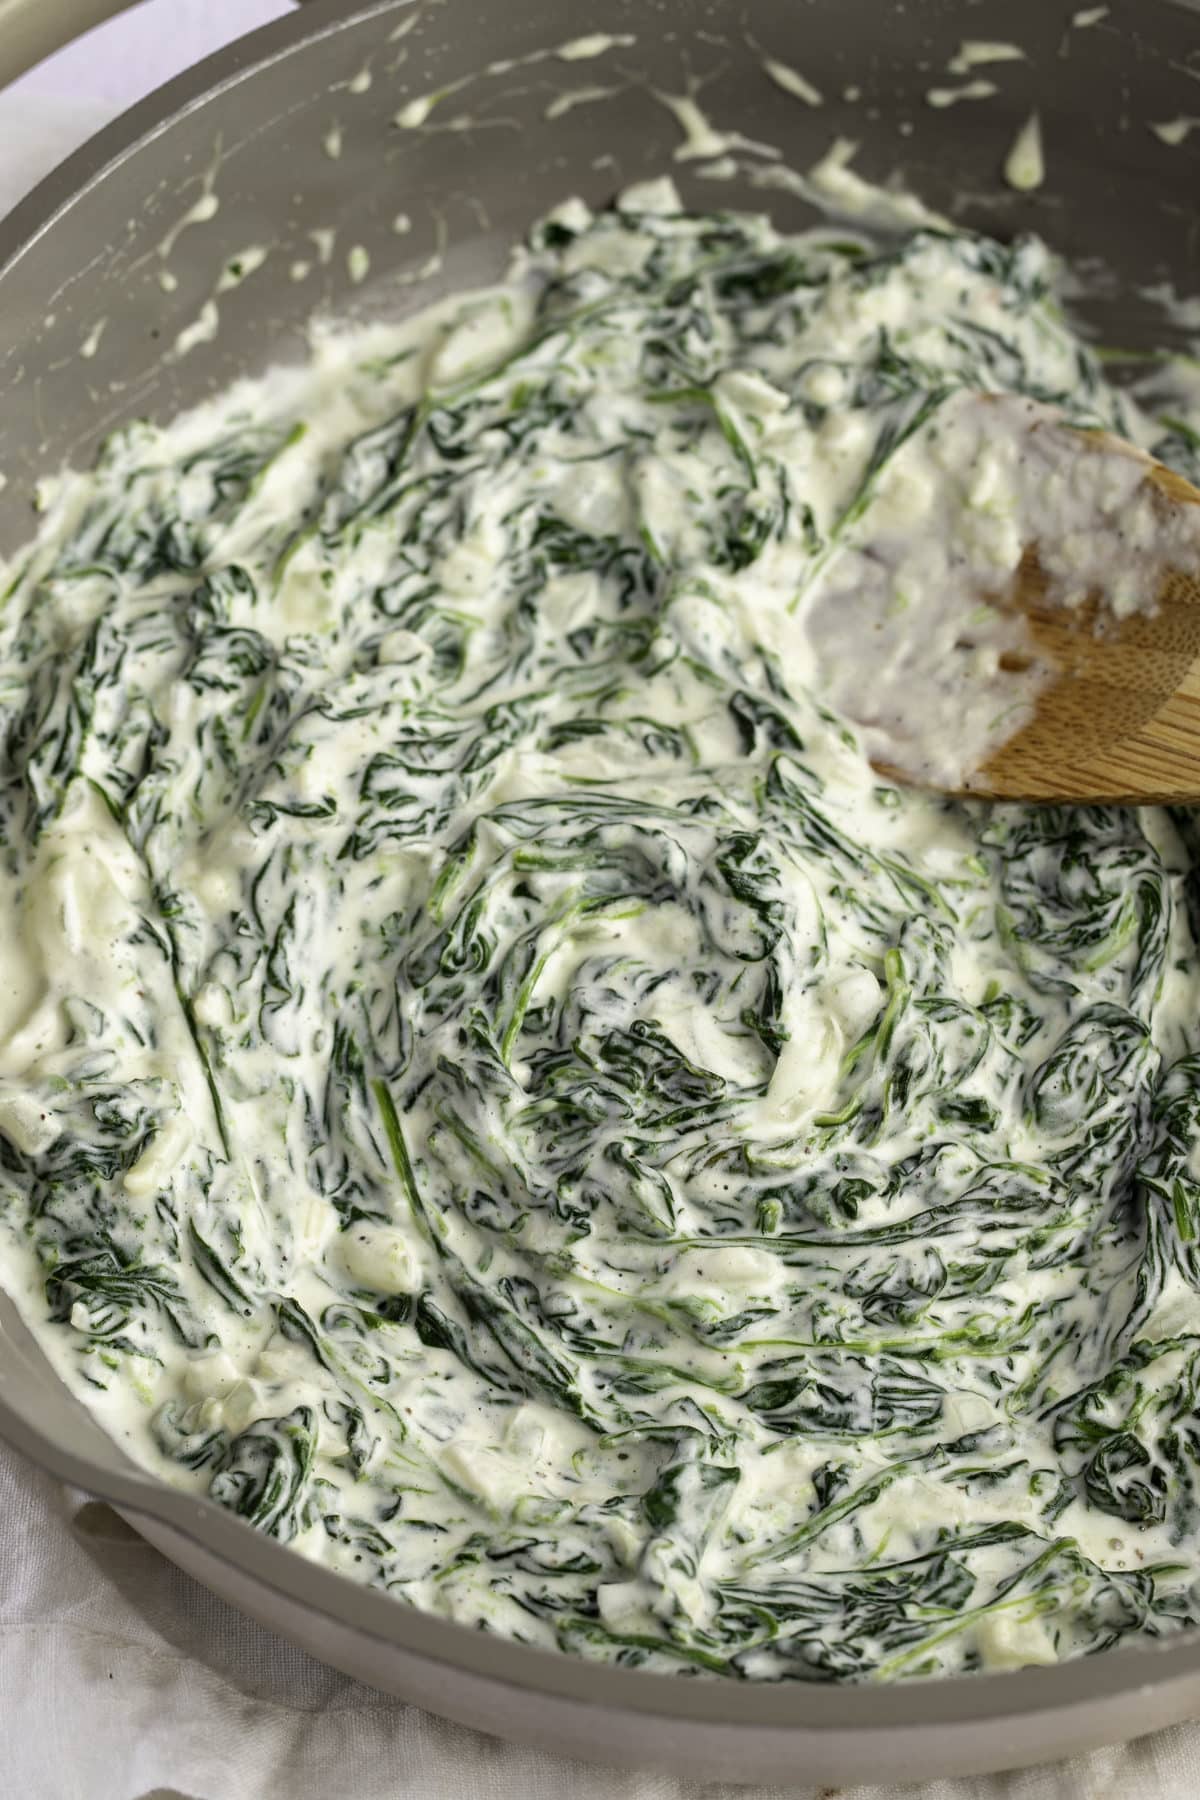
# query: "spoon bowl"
[[1117, 717]]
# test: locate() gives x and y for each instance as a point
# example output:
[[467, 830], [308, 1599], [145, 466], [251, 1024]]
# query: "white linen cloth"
[[123, 1679]]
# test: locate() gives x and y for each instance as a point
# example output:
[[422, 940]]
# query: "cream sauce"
[[792, 82], [1173, 132], [1025, 164]]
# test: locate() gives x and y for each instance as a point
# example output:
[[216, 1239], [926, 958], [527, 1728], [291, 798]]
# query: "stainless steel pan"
[[250, 125]]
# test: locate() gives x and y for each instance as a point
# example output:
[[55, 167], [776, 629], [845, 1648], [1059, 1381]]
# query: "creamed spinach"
[[496, 1090]]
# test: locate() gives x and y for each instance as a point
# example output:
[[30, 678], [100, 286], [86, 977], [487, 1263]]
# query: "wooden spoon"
[[1119, 718]]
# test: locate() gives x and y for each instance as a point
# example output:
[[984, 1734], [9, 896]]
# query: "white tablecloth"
[[120, 1678]]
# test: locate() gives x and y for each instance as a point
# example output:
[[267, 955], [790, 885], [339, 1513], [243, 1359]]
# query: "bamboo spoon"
[[1118, 718]]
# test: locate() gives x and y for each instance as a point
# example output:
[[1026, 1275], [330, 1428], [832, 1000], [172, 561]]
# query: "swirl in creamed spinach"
[[496, 1090]]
